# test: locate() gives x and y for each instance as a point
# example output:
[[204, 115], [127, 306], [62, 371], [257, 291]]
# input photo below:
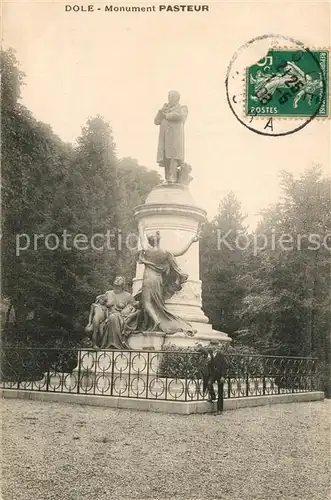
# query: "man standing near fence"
[[215, 370]]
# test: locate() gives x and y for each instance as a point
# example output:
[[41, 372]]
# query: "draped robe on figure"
[[112, 332], [162, 278], [171, 135]]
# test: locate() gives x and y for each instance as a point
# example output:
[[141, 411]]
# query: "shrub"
[[28, 361], [189, 362], [181, 362]]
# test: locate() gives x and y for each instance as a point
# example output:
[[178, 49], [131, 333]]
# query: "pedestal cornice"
[[170, 209]]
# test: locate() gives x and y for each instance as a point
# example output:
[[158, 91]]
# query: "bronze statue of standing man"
[[170, 152]]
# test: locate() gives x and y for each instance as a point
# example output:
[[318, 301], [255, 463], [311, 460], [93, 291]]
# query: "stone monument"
[[170, 212], [165, 306]]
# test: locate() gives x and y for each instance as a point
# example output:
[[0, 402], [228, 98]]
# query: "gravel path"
[[56, 451]]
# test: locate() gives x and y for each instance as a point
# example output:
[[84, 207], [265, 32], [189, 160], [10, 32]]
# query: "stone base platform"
[[171, 210], [145, 385], [176, 407], [159, 340]]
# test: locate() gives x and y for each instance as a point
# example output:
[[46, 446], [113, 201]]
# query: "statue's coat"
[[171, 135]]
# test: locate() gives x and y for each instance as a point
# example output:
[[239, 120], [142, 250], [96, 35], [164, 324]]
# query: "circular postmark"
[[276, 86]]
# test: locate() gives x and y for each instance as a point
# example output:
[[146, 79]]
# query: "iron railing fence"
[[166, 375]]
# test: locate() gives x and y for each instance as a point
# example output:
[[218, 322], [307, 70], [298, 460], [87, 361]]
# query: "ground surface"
[[66, 452]]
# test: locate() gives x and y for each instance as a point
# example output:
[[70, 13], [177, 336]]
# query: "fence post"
[[247, 384], [147, 375], [187, 357], [263, 378], [19, 374], [220, 395], [312, 385], [47, 379], [112, 374], [79, 371]]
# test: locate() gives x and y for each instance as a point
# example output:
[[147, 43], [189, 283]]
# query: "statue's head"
[[154, 238], [119, 282], [173, 97]]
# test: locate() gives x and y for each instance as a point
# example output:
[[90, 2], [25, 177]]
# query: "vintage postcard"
[[166, 237]]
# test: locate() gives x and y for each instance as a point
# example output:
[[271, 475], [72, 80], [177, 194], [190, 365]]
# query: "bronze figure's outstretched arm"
[[143, 238], [184, 250]]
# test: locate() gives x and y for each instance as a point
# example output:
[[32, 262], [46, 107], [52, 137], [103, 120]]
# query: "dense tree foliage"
[[292, 275], [35, 164], [271, 289], [222, 264], [290, 289], [62, 211]]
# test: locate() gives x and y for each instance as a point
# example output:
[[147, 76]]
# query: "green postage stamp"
[[289, 83]]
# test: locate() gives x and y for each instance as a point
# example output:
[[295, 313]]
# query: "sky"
[[122, 65]]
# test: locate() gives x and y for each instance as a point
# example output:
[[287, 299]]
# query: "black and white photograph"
[[165, 250]]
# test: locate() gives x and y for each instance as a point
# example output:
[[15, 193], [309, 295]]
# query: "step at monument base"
[[157, 405], [159, 340]]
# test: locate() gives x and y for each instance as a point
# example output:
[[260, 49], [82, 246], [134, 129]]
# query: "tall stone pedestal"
[[170, 209]]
